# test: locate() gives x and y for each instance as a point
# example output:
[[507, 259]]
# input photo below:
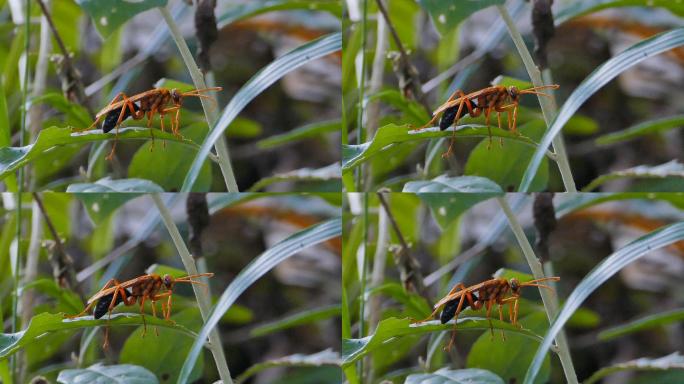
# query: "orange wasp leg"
[[474, 112]]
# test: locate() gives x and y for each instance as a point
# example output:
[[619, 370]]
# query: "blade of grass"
[[198, 79], [263, 79], [600, 274], [256, 269], [203, 298], [548, 105], [548, 299]]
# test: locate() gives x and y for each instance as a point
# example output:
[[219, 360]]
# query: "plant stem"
[[548, 105], [548, 298], [203, 299], [209, 113]]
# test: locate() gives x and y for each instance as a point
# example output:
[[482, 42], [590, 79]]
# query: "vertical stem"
[[548, 299], [209, 113], [203, 299], [548, 105]]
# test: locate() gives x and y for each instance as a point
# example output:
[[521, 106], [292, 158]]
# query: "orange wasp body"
[[148, 103], [150, 287], [487, 293], [496, 98]]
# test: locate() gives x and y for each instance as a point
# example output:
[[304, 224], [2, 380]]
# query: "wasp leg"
[[466, 296], [503, 334], [127, 104]]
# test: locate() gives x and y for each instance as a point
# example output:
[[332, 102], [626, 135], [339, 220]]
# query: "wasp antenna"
[[537, 285], [552, 278]]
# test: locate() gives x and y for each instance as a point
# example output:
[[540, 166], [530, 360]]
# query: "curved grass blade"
[[579, 8], [671, 361], [670, 169], [597, 79], [599, 275], [256, 269], [11, 158], [642, 129], [330, 174], [307, 316], [263, 79], [576, 202], [648, 322], [254, 8], [318, 359]]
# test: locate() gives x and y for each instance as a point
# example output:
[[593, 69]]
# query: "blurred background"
[[452, 238], [290, 127], [290, 314]]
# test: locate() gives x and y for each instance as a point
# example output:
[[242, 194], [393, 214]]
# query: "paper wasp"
[[487, 293], [155, 101], [497, 98], [150, 287]]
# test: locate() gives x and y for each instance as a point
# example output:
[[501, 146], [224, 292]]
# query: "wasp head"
[[513, 92], [176, 96], [168, 281], [515, 285]]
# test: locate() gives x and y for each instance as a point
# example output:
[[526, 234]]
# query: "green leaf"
[[107, 185], [67, 298], [11, 158], [329, 173], [447, 15], [164, 358], [46, 323], [108, 15], [257, 84], [166, 166], [447, 207], [100, 205], [304, 317], [76, 112], [577, 8], [300, 133], [454, 376], [595, 81], [648, 322], [459, 184], [601, 273], [671, 169], [257, 7], [642, 129], [509, 359], [505, 163], [414, 304], [669, 362], [327, 357], [388, 329], [389, 135], [108, 374], [256, 269]]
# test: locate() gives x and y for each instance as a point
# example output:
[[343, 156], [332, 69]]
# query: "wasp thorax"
[[513, 91]]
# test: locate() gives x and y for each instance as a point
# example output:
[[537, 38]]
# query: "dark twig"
[[62, 263], [409, 267], [543, 29], [198, 217], [206, 30], [408, 74], [72, 86], [544, 221]]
